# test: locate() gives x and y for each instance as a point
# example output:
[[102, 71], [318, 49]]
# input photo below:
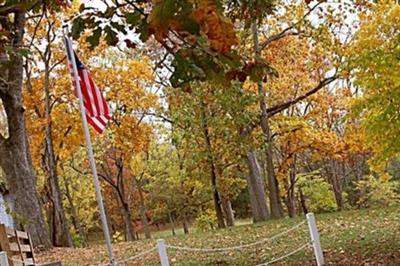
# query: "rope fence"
[[314, 242], [287, 255], [142, 254], [162, 247], [262, 241]]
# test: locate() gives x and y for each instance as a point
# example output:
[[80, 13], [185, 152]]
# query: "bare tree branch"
[[280, 107], [288, 31], [57, 63], [76, 169], [36, 28]]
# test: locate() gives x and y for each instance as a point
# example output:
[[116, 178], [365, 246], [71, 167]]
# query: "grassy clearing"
[[362, 237]]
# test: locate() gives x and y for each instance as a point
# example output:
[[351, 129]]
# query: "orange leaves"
[[188, 20], [168, 16], [131, 137], [219, 29], [161, 29]]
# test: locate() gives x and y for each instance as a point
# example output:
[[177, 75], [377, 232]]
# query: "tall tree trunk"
[[273, 186], [76, 221], [129, 231], [172, 222], [303, 202], [143, 216], [291, 199], [336, 182], [230, 217], [15, 157], [185, 225], [213, 170], [217, 199], [255, 186], [59, 229]]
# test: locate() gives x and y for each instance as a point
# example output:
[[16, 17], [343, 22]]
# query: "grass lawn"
[[359, 237]]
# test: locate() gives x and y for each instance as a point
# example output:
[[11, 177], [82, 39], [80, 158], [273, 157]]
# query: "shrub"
[[377, 191], [318, 193], [206, 221]]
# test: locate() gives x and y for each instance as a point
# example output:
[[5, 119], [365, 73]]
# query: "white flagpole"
[[99, 197]]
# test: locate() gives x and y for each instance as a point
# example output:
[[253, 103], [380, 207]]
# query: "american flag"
[[97, 110]]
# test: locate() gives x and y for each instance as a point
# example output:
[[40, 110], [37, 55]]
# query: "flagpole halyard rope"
[[237, 247]]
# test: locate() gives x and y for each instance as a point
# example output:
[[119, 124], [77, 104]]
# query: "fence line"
[[286, 255], [162, 247], [142, 254], [237, 247]]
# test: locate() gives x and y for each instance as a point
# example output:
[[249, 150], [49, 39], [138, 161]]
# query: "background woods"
[[221, 110]]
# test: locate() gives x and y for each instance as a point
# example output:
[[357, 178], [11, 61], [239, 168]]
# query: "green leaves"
[[111, 36], [77, 28], [94, 39], [185, 70], [143, 30], [133, 18], [199, 29], [374, 61]]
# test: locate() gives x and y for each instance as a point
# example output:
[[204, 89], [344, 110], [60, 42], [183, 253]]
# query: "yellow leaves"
[[290, 57], [385, 177], [129, 136], [355, 139], [377, 166], [136, 163], [298, 135], [128, 83], [250, 86], [378, 27], [373, 58]]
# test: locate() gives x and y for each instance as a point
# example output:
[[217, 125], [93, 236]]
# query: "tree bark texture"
[[213, 171], [273, 186], [60, 235], [129, 231], [255, 187], [303, 202], [185, 225], [229, 216], [142, 209], [335, 179], [15, 157], [172, 222], [290, 198]]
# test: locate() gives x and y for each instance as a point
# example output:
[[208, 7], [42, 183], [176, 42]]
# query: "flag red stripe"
[[96, 108], [96, 126], [88, 99], [96, 95]]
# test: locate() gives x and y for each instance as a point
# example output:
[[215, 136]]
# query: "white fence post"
[[3, 259], [162, 251], [312, 226]]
